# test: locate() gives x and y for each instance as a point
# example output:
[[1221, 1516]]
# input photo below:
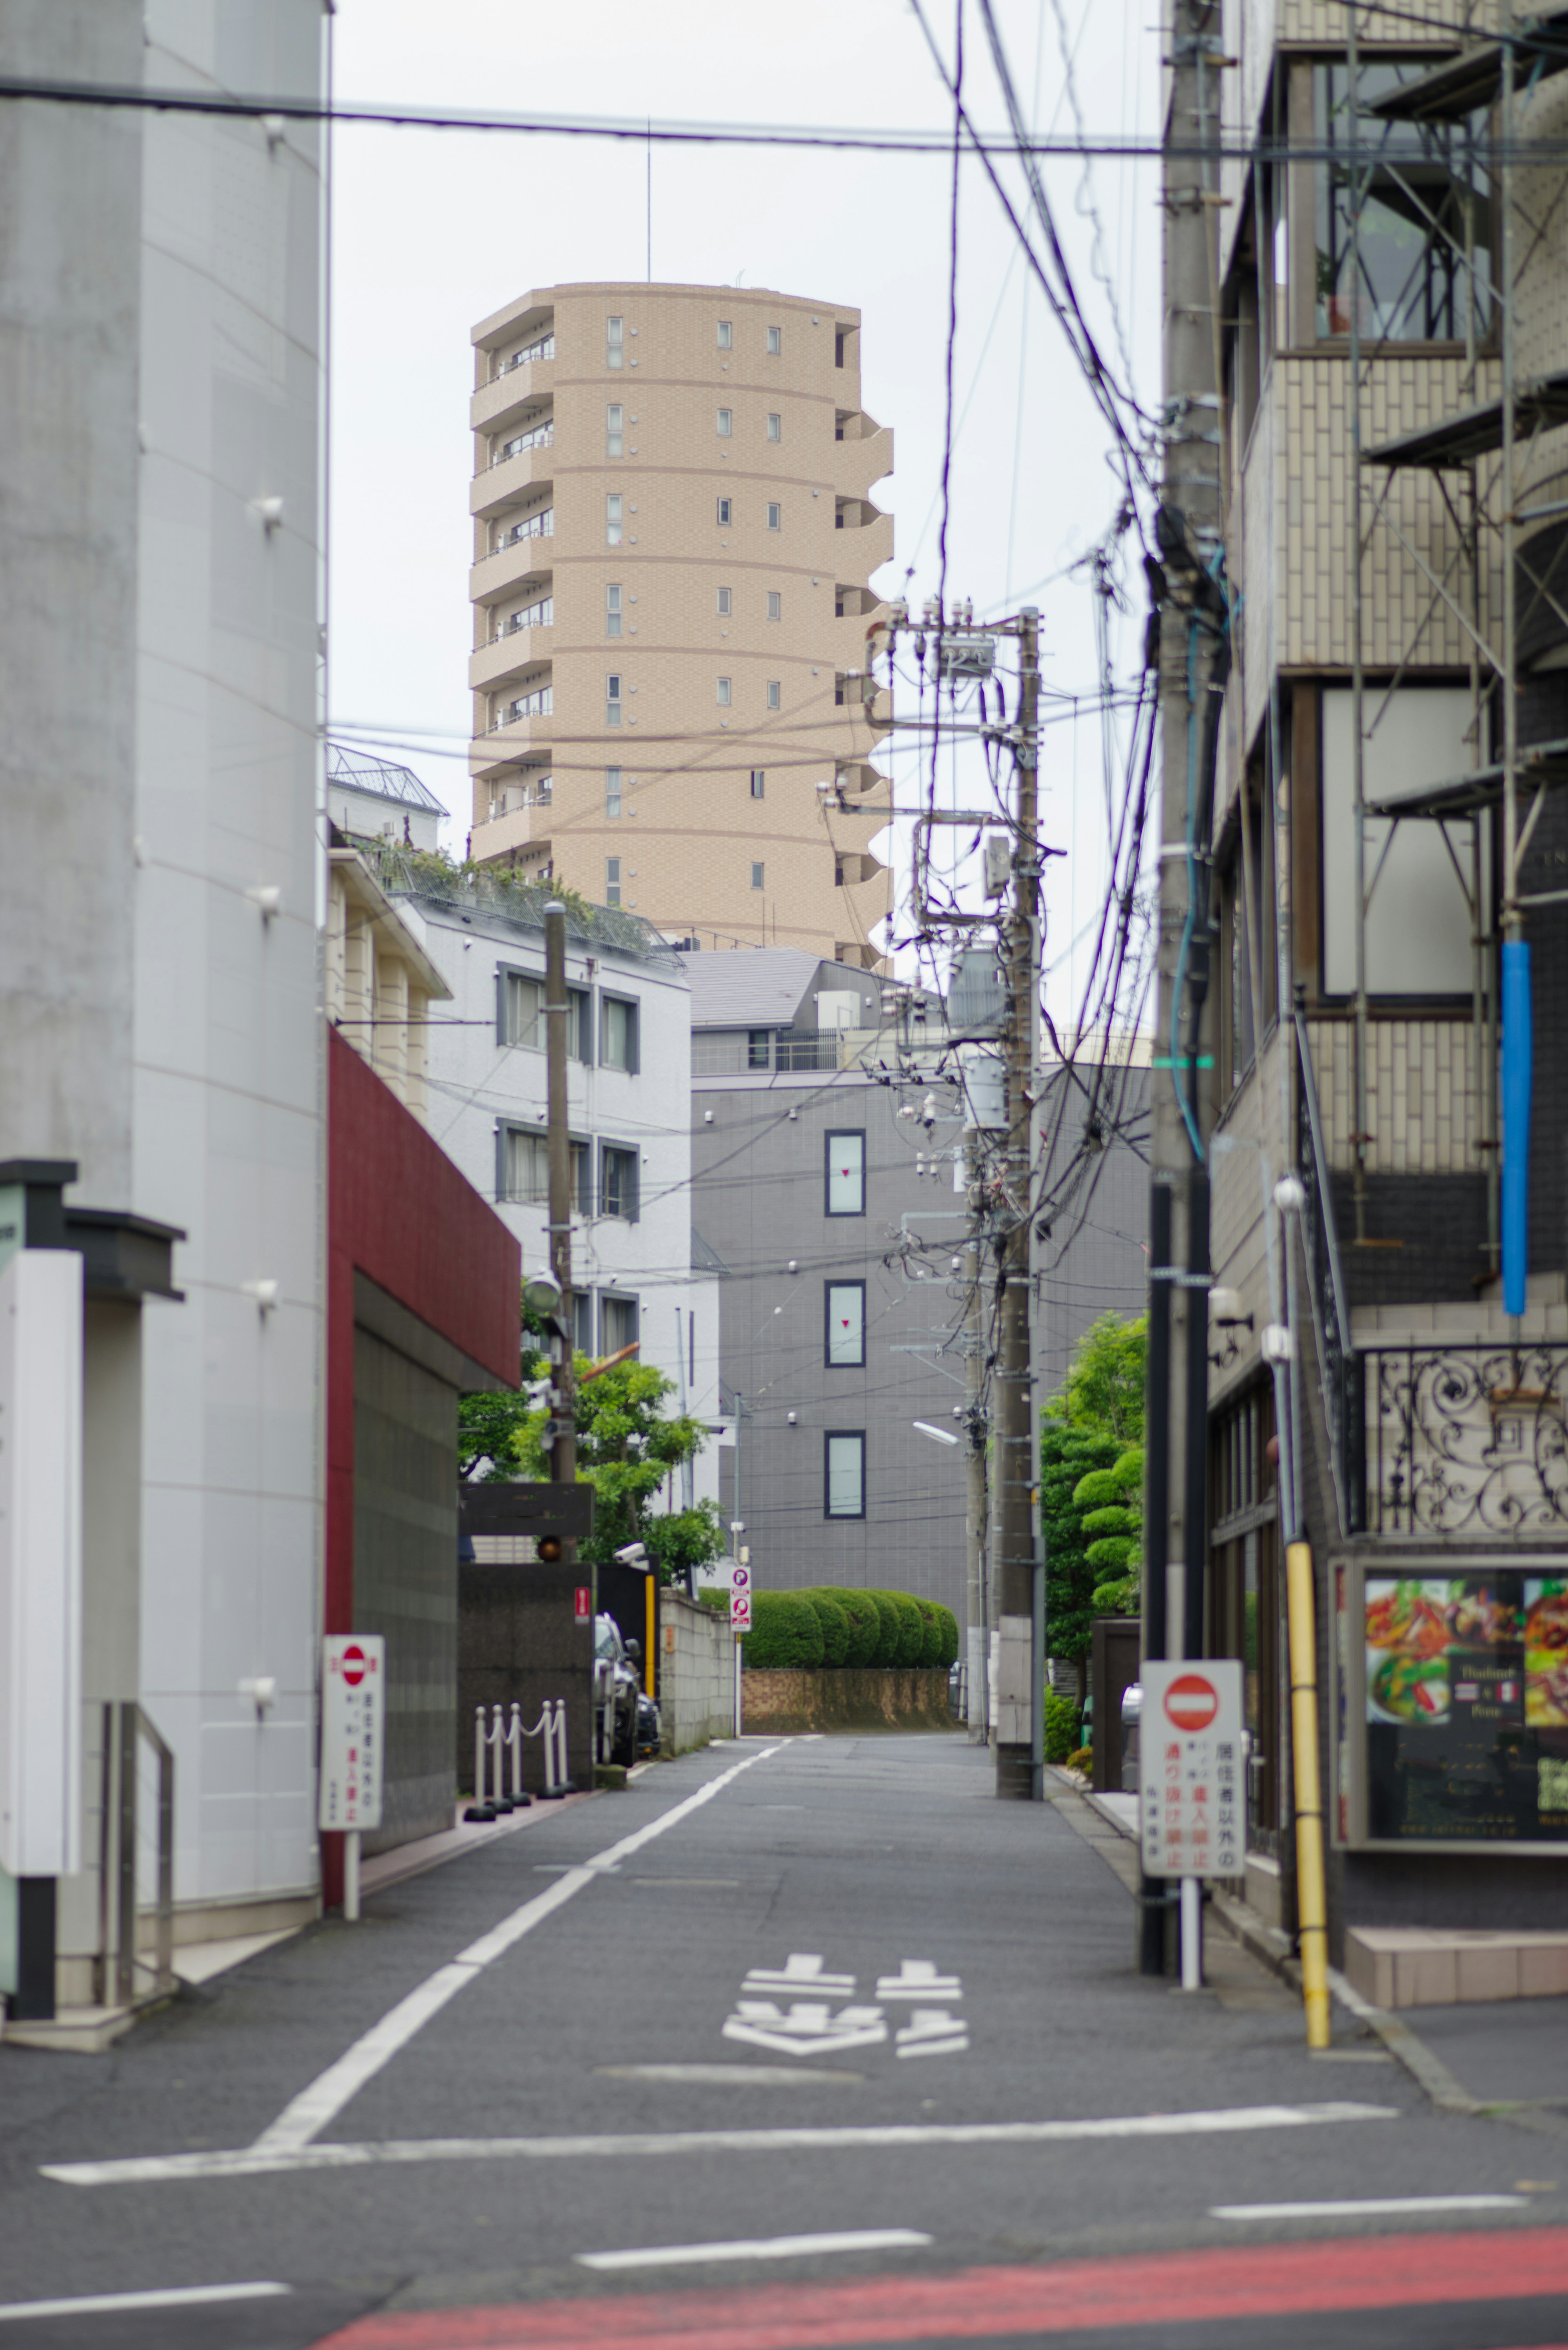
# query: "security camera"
[[634, 1554]]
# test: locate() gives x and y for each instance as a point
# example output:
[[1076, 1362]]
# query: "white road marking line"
[[251, 2161], [306, 2115], [770, 2076], [1375, 2204], [759, 2248], [808, 2030], [802, 1970], [918, 1979], [90, 2305]]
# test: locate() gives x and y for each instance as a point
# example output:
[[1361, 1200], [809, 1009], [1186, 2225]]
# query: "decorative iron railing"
[[1467, 1440], [1338, 1363]]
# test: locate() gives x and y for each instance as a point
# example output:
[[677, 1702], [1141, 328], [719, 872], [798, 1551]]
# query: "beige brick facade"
[[671, 607]]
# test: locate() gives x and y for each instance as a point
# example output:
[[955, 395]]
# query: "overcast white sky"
[[434, 229]]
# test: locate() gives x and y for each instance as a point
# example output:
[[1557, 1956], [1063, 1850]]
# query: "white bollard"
[[479, 1809], [563, 1768], [520, 1801]]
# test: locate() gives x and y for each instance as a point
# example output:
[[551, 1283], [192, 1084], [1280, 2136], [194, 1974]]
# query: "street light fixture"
[[939, 1435]]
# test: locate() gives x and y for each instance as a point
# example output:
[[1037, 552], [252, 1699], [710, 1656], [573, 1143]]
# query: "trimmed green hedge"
[[786, 1631], [835, 1622], [890, 1629]]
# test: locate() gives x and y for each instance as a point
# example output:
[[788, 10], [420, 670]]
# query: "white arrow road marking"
[[917, 1979], [251, 2161], [802, 1970], [932, 2031], [808, 2030], [306, 2115], [759, 2248], [1377, 2206], [185, 2296]]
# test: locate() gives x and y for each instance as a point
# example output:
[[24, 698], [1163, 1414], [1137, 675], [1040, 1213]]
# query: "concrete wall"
[[696, 1673]]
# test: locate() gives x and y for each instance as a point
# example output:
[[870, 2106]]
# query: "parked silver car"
[[617, 1689]]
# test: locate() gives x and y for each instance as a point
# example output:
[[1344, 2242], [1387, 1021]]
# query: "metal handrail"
[[125, 1725], [541, 436], [539, 525], [1339, 1365], [544, 349]]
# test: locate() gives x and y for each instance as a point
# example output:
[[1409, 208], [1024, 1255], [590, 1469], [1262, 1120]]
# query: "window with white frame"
[[615, 342], [612, 880], [612, 518], [775, 604], [759, 782], [776, 426], [612, 791], [774, 694], [846, 1173], [844, 1473], [617, 1183], [721, 693], [723, 603], [775, 517], [726, 423], [726, 334], [612, 701], [724, 514], [615, 429], [618, 1034], [612, 609], [843, 1336], [759, 876], [775, 341]]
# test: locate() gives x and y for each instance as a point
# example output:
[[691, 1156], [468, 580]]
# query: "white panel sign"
[[739, 1598], [40, 1563], [1190, 1749], [353, 1709]]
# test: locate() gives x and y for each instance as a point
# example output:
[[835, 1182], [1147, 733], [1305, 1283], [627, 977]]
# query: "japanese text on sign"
[[1191, 1780], [353, 1672]]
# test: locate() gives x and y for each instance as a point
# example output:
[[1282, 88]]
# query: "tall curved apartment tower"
[[673, 545]]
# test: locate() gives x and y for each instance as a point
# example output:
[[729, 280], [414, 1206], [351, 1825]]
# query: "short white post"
[[479, 1743], [514, 1741], [563, 1768], [1192, 1933], [351, 1877]]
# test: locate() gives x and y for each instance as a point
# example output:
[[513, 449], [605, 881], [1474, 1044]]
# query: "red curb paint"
[[1060, 2297]]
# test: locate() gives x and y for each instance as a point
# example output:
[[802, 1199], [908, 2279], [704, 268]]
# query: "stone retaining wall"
[[847, 1697]]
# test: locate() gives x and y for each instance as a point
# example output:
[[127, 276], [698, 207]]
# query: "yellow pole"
[[1311, 1901], [649, 1654]]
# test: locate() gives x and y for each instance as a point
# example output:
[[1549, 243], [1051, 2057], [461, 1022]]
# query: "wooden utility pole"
[[1016, 1441], [1188, 529]]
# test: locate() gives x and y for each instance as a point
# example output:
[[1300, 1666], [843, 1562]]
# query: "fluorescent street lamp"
[[542, 1291], [939, 1435]]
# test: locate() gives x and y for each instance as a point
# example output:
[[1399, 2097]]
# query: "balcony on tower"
[[515, 718], [513, 641], [514, 461], [512, 552], [516, 371]]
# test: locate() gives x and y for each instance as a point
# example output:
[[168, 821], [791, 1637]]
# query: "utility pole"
[[563, 1383], [978, 1651], [1193, 662], [1016, 1462]]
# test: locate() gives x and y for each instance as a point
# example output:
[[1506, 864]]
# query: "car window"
[[607, 1639]]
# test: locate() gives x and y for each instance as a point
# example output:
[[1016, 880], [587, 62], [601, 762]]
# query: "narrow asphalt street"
[[809, 1987]]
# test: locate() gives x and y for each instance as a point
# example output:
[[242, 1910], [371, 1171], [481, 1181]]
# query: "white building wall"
[[478, 1084], [227, 1035]]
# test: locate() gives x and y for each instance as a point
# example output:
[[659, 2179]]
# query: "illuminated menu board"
[[1467, 1708]]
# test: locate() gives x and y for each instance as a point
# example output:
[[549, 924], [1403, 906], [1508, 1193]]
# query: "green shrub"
[[890, 1628], [935, 1641], [835, 1622], [910, 1645], [714, 1597], [864, 1620], [786, 1631], [951, 1640], [1062, 1727], [1084, 1760]]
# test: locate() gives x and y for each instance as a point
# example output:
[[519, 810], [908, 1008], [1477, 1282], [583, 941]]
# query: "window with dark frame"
[[759, 782], [524, 1169], [845, 1168], [617, 1183], [843, 1336], [844, 1473], [618, 1033], [619, 1320]]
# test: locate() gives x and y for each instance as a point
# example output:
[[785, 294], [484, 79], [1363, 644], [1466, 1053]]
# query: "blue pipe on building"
[[1518, 1046]]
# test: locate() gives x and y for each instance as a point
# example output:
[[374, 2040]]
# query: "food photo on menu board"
[[1467, 1706]]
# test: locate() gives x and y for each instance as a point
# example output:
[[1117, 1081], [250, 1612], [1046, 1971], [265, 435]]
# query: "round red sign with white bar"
[[1192, 1702], [353, 1666]]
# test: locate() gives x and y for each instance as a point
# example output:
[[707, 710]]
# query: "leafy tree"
[[627, 1448], [1112, 1503], [488, 1425], [1091, 1477], [1105, 1387]]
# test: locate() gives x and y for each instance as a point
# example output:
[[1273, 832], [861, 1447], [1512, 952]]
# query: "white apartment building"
[[630, 1094]]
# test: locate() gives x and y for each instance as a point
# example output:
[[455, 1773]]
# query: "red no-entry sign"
[[353, 1664], [1192, 1702]]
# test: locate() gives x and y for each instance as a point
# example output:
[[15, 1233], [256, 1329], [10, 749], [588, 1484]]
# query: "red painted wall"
[[398, 1210]]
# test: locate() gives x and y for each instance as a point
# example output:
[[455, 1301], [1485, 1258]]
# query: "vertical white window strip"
[[726, 334], [722, 696], [612, 519], [615, 342], [845, 1479], [773, 692], [615, 429], [612, 610], [726, 421], [612, 791], [775, 427], [612, 881], [775, 604], [723, 603]]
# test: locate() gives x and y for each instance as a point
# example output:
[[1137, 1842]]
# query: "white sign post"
[[1190, 1798], [353, 1677], [740, 1621]]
